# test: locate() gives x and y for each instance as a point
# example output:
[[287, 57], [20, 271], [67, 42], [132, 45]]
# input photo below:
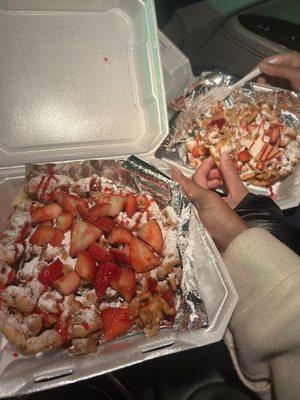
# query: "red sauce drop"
[[63, 330], [86, 326], [15, 354]]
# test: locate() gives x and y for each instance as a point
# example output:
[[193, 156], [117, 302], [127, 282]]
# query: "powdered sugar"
[[19, 219], [69, 261], [67, 241], [82, 185], [87, 297], [87, 315], [51, 252], [36, 288], [29, 269], [124, 220], [170, 244], [48, 302], [143, 219], [171, 218]]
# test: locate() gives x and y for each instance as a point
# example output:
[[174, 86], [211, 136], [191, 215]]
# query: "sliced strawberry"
[[82, 235], [117, 204], [169, 297], [46, 235], [47, 223], [58, 237], [125, 284], [121, 256], [151, 234], [64, 221], [99, 253], [274, 133], [244, 156], [141, 257], [105, 224], [131, 205], [199, 151], [69, 203], [59, 195], [85, 265], [82, 208], [119, 234], [116, 322], [217, 122], [152, 283], [46, 213], [97, 211], [48, 275], [68, 283], [105, 273]]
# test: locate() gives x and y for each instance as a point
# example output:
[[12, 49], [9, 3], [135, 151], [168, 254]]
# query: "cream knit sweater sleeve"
[[263, 336]]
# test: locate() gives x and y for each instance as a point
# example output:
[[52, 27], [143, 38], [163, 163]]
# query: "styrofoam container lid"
[[78, 79]]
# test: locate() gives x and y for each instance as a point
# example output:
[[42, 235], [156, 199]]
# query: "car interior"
[[231, 36]]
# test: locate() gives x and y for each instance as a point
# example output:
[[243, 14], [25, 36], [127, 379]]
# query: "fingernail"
[[265, 66]]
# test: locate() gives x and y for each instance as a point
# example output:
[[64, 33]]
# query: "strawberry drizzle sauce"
[[42, 188], [86, 326], [23, 233]]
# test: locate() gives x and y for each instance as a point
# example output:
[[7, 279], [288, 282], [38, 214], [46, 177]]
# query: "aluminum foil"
[[140, 176], [187, 109]]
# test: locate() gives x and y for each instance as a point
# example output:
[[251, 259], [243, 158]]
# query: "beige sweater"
[[263, 336]]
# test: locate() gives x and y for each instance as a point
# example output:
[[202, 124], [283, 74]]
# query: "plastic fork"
[[221, 93]]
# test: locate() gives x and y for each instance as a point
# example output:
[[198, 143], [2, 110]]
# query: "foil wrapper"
[[187, 109], [138, 175]]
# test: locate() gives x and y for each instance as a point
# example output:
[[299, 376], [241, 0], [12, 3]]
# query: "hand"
[[219, 219], [285, 73], [208, 177]]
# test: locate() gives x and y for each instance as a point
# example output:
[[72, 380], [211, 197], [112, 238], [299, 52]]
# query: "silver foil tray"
[[59, 368]]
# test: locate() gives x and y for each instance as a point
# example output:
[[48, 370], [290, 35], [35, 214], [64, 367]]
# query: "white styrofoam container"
[[79, 79], [176, 68], [83, 79]]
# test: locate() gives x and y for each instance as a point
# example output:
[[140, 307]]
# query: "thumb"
[[280, 71], [195, 193], [231, 177]]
